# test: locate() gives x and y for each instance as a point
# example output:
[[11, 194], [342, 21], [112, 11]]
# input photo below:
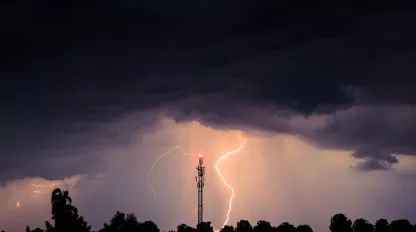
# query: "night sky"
[[92, 92]]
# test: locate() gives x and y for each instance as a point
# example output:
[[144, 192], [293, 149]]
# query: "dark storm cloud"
[[375, 159], [383, 128], [71, 67], [371, 165], [374, 153]]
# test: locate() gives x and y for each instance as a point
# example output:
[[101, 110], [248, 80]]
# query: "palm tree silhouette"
[[63, 212]]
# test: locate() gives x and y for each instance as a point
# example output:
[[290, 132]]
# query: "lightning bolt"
[[157, 160], [216, 167], [230, 203]]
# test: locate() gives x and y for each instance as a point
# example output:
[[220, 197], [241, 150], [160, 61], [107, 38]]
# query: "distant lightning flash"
[[37, 191], [157, 160], [225, 182], [44, 186]]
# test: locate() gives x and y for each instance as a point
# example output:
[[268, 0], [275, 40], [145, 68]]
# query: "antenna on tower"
[[200, 179]]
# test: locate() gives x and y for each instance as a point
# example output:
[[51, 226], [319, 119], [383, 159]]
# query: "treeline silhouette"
[[66, 219]]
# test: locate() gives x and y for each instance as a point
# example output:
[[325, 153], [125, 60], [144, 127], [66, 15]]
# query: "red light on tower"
[[200, 158]]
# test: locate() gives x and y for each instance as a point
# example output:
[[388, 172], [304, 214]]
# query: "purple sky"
[[93, 92]]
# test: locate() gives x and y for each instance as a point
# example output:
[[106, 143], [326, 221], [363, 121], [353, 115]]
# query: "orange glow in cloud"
[[230, 203]]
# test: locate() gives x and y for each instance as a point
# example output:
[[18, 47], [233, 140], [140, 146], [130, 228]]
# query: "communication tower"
[[200, 179]]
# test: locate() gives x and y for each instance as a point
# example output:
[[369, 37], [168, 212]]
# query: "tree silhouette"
[[204, 227], [82, 225], [35, 230], [244, 226], [401, 225], [49, 228], [227, 229], [122, 222], [362, 225], [185, 228], [116, 223], [304, 228], [148, 226], [62, 210], [66, 219], [263, 226], [130, 223], [285, 227], [382, 225], [340, 223], [65, 214]]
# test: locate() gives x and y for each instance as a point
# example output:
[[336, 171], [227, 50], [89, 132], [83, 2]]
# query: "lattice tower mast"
[[200, 179]]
